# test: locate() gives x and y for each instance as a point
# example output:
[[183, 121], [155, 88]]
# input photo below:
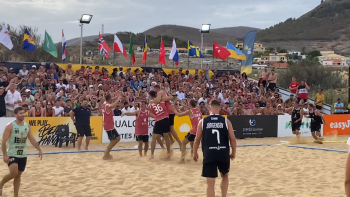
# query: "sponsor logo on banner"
[[44, 129], [252, 130], [125, 126], [337, 124]]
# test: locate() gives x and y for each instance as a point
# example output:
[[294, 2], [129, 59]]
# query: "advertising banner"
[[126, 128], [285, 127], [44, 129], [338, 124], [254, 126]]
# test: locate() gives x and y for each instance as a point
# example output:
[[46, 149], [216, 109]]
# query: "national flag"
[[248, 51], [102, 46], [145, 48], [49, 46], [64, 43], [235, 53], [118, 46], [174, 55], [161, 52], [28, 41], [220, 51], [5, 38], [131, 51], [193, 51]]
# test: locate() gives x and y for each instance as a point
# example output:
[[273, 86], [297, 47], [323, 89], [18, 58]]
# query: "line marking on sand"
[[133, 149]]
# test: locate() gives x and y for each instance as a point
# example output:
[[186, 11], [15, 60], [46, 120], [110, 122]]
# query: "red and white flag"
[[118, 46], [5, 38], [102, 46]]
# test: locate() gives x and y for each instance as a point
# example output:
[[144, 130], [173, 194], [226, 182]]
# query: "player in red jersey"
[[161, 125], [195, 116], [141, 126], [162, 95], [108, 125]]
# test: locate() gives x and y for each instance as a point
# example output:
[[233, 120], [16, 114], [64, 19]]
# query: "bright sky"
[[139, 15]]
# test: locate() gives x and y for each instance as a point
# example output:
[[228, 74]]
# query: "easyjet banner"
[[338, 124]]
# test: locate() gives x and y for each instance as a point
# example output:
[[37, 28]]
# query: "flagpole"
[[227, 64], [188, 54], [131, 55], [25, 55]]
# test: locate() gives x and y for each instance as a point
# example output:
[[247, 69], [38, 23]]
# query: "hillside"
[[190, 33], [326, 25], [236, 32]]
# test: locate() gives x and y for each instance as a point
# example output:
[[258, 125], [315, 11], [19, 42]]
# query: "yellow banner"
[[76, 67], [183, 125], [44, 128], [190, 71]]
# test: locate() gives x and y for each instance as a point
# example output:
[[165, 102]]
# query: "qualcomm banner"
[[285, 127], [126, 128]]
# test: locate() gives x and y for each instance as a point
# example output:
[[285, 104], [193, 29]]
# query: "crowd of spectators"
[[51, 92]]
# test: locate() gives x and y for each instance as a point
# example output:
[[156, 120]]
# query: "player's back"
[[215, 139], [159, 111], [195, 118], [108, 121]]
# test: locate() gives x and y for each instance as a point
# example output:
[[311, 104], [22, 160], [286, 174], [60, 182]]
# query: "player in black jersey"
[[216, 134], [316, 121], [297, 116]]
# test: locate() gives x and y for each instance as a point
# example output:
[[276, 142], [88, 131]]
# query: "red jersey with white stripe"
[[195, 118], [159, 110], [168, 104], [108, 121], [141, 123]]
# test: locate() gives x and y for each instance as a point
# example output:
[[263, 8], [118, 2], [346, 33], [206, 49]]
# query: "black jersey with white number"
[[295, 114], [215, 139], [315, 119]]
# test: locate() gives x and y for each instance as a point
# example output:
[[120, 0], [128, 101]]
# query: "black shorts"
[[112, 134], [315, 127], [143, 138], [161, 126], [318, 107], [20, 161], [210, 170], [83, 130], [171, 119], [296, 126], [190, 137]]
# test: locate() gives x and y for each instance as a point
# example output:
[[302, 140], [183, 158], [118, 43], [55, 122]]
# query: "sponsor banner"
[[126, 128], [338, 124], [44, 129], [285, 126], [3, 122], [254, 126]]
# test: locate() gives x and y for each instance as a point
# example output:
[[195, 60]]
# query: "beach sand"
[[266, 171]]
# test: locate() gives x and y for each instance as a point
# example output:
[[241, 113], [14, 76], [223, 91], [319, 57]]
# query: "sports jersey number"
[[217, 134], [158, 108], [19, 152]]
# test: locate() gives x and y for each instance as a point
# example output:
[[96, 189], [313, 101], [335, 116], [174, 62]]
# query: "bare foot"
[[107, 157], [86, 148], [79, 149], [182, 161], [321, 138], [318, 142], [144, 154], [152, 157]]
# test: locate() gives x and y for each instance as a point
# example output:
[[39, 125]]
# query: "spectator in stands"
[[272, 79], [338, 107], [35, 111], [48, 110], [12, 99], [303, 91], [24, 71], [293, 86], [319, 99], [3, 93], [59, 111], [263, 77], [289, 102]]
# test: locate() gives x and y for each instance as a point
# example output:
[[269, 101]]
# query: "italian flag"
[[131, 51]]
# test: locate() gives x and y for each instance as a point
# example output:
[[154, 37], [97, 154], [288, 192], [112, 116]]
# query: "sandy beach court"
[[267, 171]]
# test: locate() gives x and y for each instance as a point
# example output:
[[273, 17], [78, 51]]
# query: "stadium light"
[[85, 19], [205, 29]]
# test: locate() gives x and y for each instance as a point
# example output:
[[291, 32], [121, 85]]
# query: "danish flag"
[[102, 46]]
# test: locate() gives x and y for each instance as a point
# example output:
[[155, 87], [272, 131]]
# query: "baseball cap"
[[91, 86], [33, 66], [99, 85], [43, 63], [120, 66], [11, 69], [19, 75], [27, 90]]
